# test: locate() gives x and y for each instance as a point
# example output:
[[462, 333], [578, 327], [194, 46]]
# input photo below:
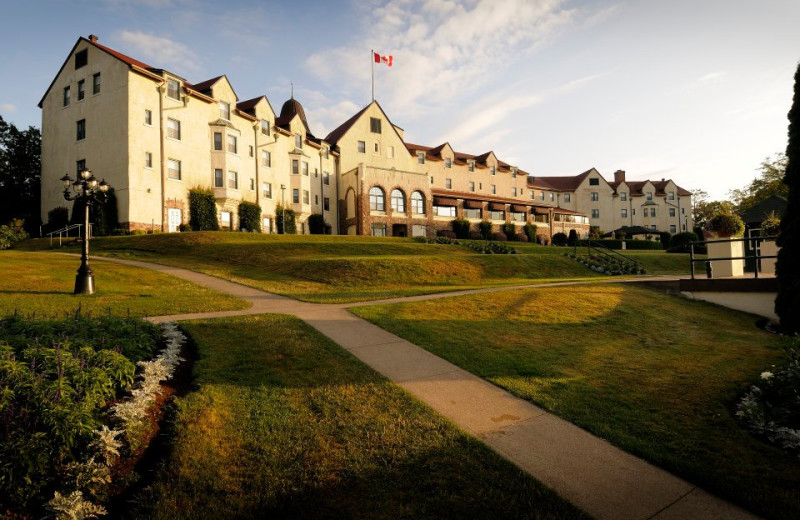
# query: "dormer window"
[[471, 166], [594, 181], [649, 195], [492, 170], [671, 195], [513, 173], [265, 127], [81, 59], [448, 163], [421, 157], [374, 125], [173, 89], [298, 141], [325, 152], [224, 110], [623, 196]]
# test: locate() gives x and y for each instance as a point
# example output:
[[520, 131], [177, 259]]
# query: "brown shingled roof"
[[567, 183], [204, 86], [339, 131]]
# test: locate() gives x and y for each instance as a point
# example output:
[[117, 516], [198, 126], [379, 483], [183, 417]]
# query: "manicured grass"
[[340, 268], [41, 284], [286, 424], [656, 375]]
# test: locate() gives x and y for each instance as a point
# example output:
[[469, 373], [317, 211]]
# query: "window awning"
[[496, 206], [473, 204], [519, 209], [444, 201], [541, 211]]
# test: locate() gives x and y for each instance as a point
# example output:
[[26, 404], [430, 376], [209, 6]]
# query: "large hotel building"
[[153, 136]]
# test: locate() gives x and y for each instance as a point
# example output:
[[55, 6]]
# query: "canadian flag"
[[385, 59]]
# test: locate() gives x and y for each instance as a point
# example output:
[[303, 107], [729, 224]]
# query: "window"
[[148, 117], [325, 152], [623, 196], [518, 216], [326, 178], [96, 83], [646, 212], [633, 212], [417, 203], [80, 129], [492, 170], [513, 192], [266, 225], [419, 231], [67, 96], [217, 140], [326, 204], [374, 125], [250, 152], [265, 127], [472, 213], [671, 195], [431, 179], [541, 195], [298, 141], [493, 189], [671, 212], [673, 229], [595, 196], [379, 230], [81, 59], [444, 211], [362, 147], [472, 186], [219, 181], [497, 215], [232, 143], [266, 158], [377, 201], [233, 180], [594, 181], [376, 147], [652, 212], [624, 213], [266, 190], [174, 129], [552, 197], [148, 160], [305, 168], [471, 166], [649, 195], [252, 184], [398, 201], [448, 183], [295, 167], [296, 196], [174, 169], [224, 110], [567, 197], [595, 213], [81, 90], [513, 173], [532, 193], [421, 157], [225, 217], [80, 166], [305, 196], [448, 163], [173, 89]]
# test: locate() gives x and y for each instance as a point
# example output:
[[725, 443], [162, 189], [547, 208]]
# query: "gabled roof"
[[636, 188], [339, 131], [760, 211], [565, 183]]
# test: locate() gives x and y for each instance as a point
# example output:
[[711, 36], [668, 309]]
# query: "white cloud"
[[160, 51], [7, 107]]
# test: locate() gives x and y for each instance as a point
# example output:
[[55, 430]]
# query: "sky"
[[691, 90]]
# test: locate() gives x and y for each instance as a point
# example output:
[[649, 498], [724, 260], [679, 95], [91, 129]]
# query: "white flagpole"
[[372, 61]]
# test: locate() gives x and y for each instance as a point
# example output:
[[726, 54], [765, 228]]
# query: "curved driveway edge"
[[599, 478]]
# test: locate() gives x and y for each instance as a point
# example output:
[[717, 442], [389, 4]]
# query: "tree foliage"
[[769, 183], [787, 304], [20, 174], [703, 210], [249, 217], [287, 214], [202, 210]]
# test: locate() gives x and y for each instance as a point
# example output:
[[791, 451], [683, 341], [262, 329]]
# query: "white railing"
[[65, 232]]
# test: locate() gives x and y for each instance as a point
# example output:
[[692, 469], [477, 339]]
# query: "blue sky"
[[693, 90]]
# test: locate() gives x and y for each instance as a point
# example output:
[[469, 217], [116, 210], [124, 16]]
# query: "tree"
[[787, 304], [20, 174], [769, 183], [703, 210]]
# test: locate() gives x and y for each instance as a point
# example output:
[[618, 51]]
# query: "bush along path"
[[602, 480]]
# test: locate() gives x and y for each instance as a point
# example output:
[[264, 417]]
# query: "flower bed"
[[603, 265]]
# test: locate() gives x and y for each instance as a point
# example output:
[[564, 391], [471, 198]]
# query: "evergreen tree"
[[20, 174], [787, 304]]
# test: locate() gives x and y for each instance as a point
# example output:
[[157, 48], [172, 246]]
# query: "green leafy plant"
[[727, 225], [771, 225], [285, 220], [510, 230], [202, 210], [485, 227], [560, 239], [680, 243], [249, 217], [460, 227], [316, 224], [530, 230]]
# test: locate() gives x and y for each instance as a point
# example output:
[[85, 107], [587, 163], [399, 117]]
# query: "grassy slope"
[[656, 375], [348, 269], [42, 284], [285, 424]]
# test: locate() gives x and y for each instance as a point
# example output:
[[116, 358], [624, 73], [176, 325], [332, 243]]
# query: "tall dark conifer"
[[787, 304]]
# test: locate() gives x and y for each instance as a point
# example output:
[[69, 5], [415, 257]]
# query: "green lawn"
[[656, 375], [341, 268], [41, 284], [286, 424]]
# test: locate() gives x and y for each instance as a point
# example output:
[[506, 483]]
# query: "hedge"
[[317, 224], [613, 243], [249, 217], [282, 213], [202, 210], [460, 227]]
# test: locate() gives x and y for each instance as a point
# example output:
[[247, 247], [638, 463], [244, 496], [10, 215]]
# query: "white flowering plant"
[[771, 408]]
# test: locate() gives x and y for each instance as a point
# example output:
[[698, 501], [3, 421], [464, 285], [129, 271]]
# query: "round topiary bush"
[[680, 243], [727, 225], [475, 235], [499, 236], [771, 225], [446, 233], [522, 237], [560, 239]]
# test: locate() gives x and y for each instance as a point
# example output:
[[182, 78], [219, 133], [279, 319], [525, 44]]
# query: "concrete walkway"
[[604, 481]]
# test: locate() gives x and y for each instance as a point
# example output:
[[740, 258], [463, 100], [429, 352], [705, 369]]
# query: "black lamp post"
[[86, 190]]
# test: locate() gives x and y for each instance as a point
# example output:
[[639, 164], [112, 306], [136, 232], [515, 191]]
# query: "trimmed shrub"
[[530, 231], [249, 217], [560, 239], [727, 225], [57, 218], [522, 237], [446, 233], [499, 236], [104, 216], [680, 243], [202, 210], [9, 236], [316, 224], [665, 238], [460, 227], [475, 235], [573, 237], [485, 228], [282, 213], [510, 230]]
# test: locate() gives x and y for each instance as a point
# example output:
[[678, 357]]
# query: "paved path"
[[604, 481]]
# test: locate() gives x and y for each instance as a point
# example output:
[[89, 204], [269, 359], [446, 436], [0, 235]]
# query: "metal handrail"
[[66, 230], [756, 256]]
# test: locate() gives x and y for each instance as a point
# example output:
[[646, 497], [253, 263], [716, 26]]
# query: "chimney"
[[619, 176], [93, 38]]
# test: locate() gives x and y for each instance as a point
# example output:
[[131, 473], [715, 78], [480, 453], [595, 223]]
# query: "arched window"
[[398, 201], [417, 203], [377, 200]]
